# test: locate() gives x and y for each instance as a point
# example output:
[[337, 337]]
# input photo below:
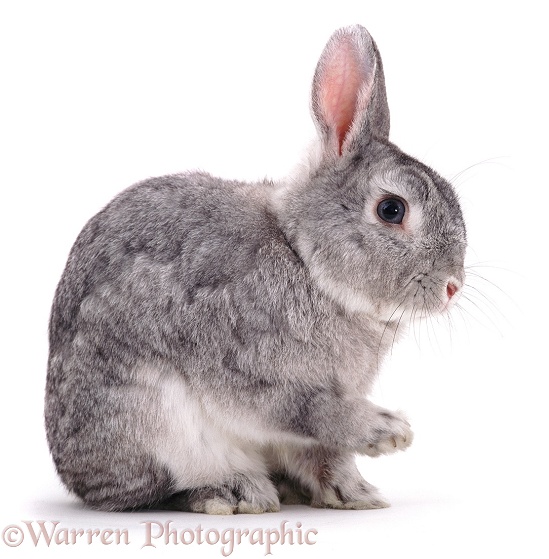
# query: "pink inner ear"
[[341, 83]]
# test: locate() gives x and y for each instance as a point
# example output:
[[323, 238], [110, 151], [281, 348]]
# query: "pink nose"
[[451, 290]]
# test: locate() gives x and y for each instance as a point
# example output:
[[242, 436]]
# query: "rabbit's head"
[[380, 232]]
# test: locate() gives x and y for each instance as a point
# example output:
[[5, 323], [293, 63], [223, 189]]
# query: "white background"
[[97, 95]]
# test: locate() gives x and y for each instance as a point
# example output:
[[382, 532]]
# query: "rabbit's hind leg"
[[244, 494]]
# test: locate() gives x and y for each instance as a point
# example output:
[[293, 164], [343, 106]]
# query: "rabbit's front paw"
[[351, 496], [388, 432]]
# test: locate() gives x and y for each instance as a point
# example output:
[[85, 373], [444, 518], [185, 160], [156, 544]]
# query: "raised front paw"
[[388, 432]]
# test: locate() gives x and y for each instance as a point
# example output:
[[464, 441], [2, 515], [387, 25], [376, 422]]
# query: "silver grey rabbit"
[[213, 343]]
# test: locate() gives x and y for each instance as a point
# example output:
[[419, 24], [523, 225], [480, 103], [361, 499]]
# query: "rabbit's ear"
[[349, 103]]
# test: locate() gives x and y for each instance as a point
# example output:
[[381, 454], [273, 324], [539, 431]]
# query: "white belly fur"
[[197, 450]]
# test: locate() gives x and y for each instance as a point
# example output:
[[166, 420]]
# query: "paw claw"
[[216, 506], [390, 432], [244, 507]]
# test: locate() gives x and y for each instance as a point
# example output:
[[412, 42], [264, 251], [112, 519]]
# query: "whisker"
[[423, 324], [486, 304], [494, 285], [480, 276], [463, 314], [385, 330], [415, 322], [396, 330], [490, 160], [474, 303], [450, 326], [418, 321], [488, 264], [482, 297], [466, 312], [432, 317]]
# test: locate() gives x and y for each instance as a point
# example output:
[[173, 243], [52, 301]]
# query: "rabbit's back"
[[164, 294], [188, 230]]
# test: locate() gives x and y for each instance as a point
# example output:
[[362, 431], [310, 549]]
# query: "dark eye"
[[391, 210]]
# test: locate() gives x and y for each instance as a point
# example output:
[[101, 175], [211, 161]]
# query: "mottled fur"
[[212, 343]]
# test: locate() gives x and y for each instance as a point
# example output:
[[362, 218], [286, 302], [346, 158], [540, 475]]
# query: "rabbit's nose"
[[451, 289]]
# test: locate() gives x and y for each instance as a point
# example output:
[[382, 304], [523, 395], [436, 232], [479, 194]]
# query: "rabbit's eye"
[[391, 210]]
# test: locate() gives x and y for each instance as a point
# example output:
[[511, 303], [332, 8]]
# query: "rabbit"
[[213, 343]]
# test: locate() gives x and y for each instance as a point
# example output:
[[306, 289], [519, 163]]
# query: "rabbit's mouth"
[[428, 294]]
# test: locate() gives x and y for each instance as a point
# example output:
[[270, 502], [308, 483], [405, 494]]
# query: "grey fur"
[[267, 307]]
